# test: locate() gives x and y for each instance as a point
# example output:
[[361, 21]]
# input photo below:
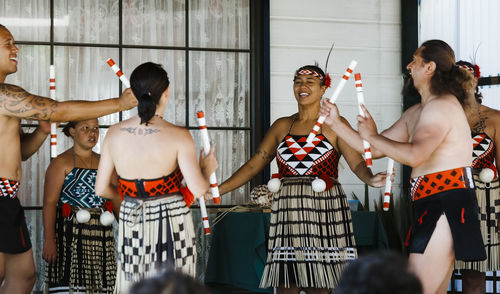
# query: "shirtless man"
[[433, 137], [17, 270]]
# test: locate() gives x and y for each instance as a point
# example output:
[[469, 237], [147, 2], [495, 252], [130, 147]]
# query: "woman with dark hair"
[[78, 248], [311, 237], [151, 157], [484, 123]]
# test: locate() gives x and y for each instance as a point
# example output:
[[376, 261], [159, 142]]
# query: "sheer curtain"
[[207, 59], [471, 29]]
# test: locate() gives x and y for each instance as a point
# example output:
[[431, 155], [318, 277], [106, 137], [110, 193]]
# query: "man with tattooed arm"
[[17, 270]]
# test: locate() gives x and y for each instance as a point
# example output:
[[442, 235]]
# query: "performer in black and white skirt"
[[311, 237], [78, 247], [155, 227], [151, 157], [483, 122]]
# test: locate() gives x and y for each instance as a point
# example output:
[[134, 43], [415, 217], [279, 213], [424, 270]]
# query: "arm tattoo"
[[264, 155], [140, 132], [22, 104]]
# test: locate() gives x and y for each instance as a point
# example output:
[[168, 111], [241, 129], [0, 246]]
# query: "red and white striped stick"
[[204, 215], [361, 100], [53, 127], [388, 183], [333, 98], [206, 147], [118, 72]]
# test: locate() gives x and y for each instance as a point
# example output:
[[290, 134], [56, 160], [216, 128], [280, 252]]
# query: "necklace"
[[85, 165], [159, 116]]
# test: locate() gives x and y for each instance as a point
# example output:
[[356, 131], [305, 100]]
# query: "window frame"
[[259, 89]]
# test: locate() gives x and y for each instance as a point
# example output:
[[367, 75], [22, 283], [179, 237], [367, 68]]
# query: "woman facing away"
[[311, 237], [151, 157], [484, 123], [80, 253]]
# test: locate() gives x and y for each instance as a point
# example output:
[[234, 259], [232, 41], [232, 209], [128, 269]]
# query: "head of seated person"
[[377, 273], [169, 281]]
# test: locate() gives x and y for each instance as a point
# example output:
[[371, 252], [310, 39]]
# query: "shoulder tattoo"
[[139, 131], [23, 104]]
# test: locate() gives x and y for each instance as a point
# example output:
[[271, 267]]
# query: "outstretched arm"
[[397, 132], [262, 157], [430, 130], [31, 142], [16, 102]]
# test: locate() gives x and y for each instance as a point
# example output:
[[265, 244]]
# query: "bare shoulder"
[[178, 130], [445, 105], [492, 117], [491, 113], [63, 162], [11, 92], [282, 124], [412, 111], [446, 100], [114, 129]]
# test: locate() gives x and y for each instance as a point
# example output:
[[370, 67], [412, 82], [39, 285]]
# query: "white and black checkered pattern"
[[8, 188], [153, 232]]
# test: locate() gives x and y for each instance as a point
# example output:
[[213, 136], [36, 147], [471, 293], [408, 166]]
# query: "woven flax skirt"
[[492, 245], [310, 237], [153, 232], [86, 261]]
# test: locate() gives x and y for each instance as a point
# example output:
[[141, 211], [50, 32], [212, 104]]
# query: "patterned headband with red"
[[475, 71], [315, 74]]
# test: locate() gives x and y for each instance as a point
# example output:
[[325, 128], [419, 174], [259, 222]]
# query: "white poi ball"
[[318, 185], [82, 216], [486, 175], [106, 218], [274, 185]]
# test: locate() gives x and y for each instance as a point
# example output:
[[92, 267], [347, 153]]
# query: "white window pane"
[[27, 20], [88, 21], [220, 86], [219, 24], [152, 22]]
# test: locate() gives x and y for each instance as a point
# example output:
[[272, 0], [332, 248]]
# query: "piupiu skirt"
[[461, 211], [310, 238], [153, 232], [86, 261], [489, 224]]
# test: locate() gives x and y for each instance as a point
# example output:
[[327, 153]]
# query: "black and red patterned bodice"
[[483, 152], [296, 157], [166, 185]]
